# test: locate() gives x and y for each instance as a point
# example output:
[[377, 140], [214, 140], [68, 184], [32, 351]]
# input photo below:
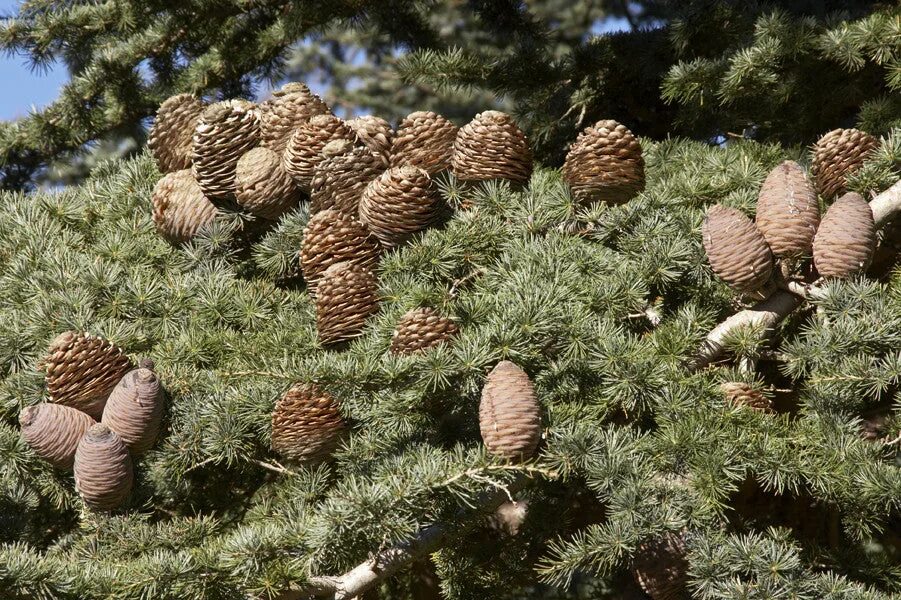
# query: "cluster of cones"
[[101, 413]]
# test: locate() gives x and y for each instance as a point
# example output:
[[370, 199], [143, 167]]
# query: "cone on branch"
[[226, 130], [290, 107], [262, 186], [81, 370], [661, 568], [399, 203], [103, 469], [171, 136], [509, 414], [347, 295], [846, 239], [421, 329], [304, 150], [332, 237], [375, 134], [492, 146], [787, 211], [739, 393], [424, 140], [736, 250], [179, 207], [135, 410], [605, 164], [342, 176], [53, 432], [838, 154], [306, 424]]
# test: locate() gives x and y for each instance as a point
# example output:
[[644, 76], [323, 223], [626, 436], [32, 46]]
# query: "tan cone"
[[53, 432], [401, 202], [306, 424], [421, 329], [341, 178], [509, 414], [736, 250], [262, 186], [135, 410], [304, 150], [179, 207], [661, 569], [288, 109], [846, 239], [375, 134], [103, 469], [332, 237], [172, 133], [424, 140], [347, 295], [491, 146], [225, 131], [739, 393], [605, 164], [787, 211], [838, 154]]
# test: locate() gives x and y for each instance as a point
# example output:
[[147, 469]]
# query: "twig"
[[202, 463], [897, 440], [458, 283], [253, 374], [274, 467]]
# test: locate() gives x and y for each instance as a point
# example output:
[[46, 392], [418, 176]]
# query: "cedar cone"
[[661, 569], [304, 149], [787, 210], [491, 146], [179, 207], [306, 424], [424, 140], [509, 415], [374, 133], [53, 432], [421, 329], [287, 110], [172, 133], [347, 294], [605, 164], [135, 409], [331, 237], [399, 203], [739, 393], [736, 249], [262, 186], [81, 370], [226, 131], [103, 468], [341, 178], [838, 154], [845, 242], [509, 517]]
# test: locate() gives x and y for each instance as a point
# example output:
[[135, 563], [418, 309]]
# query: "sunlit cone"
[[347, 295], [736, 250], [509, 414], [838, 154], [304, 150], [332, 237], [135, 410], [739, 393], [424, 140], [421, 329], [179, 207], [103, 469], [491, 146], [53, 432], [605, 164], [306, 424], [288, 108], [172, 133], [846, 239], [341, 178], [399, 203], [262, 186], [661, 569], [787, 211], [374, 133], [226, 130]]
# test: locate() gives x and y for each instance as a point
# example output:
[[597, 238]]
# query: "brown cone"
[[179, 207], [225, 131], [509, 415], [421, 329], [81, 370], [262, 186], [787, 210], [661, 569], [135, 409], [838, 154], [306, 424], [332, 237], [375, 134], [398, 204], [347, 295], [846, 239], [491, 146], [424, 140], [171, 135], [304, 150], [103, 469], [605, 164], [735, 249], [53, 432], [341, 178], [739, 393], [287, 110]]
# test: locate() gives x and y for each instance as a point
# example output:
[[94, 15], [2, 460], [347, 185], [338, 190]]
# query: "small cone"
[[424, 140], [839, 153], [288, 109], [509, 415], [347, 295], [179, 207], [735, 249], [135, 409], [739, 393], [342, 177], [304, 150], [375, 134], [225, 132], [510, 517], [661, 568], [605, 164], [171, 135], [53, 432], [846, 239], [332, 237], [306, 424], [103, 469], [421, 329], [400, 203], [787, 211], [262, 186], [491, 146], [81, 370]]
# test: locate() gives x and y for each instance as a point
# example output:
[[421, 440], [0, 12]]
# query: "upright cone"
[[172, 133], [304, 150], [347, 295], [262, 186], [288, 109], [332, 237], [306, 424], [53, 432], [509, 415], [491, 146], [424, 140], [605, 164], [103, 469], [341, 178], [661, 568], [737, 252], [398, 204], [225, 131], [846, 240], [179, 207], [838, 154], [421, 329], [787, 211], [135, 409], [375, 134]]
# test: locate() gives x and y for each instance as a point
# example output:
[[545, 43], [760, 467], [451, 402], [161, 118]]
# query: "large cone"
[[135, 410], [375, 134], [735, 249], [347, 295], [787, 211], [424, 140], [332, 237], [838, 154], [845, 242], [288, 109], [400, 203], [306, 424], [342, 177], [226, 130], [491, 146], [172, 133], [179, 207], [263, 187], [509, 415], [421, 329], [661, 568], [53, 432], [304, 150], [605, 164], [103, 469]]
